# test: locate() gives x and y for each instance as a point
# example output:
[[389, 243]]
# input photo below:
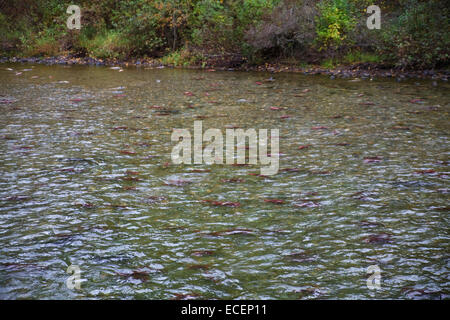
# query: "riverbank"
[[359, 70]]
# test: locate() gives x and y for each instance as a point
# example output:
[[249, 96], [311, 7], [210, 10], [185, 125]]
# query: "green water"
[[137, 227]]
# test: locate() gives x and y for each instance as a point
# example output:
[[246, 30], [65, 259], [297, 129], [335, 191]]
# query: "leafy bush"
[[419, 36], [182, 57], [106, 44], [335, 20], [221, 27]]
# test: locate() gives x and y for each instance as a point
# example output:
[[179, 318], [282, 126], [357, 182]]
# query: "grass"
[[181, 57], [105, 44], [44, 43], [361, 57], [352, 57], [329, 63], [304, 65]]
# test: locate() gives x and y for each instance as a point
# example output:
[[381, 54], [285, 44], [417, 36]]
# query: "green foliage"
[[328, 63], [138, 23], [221, 26], [357, 56], [181, 57], [419, 37], [106, 44], [414, 33], [249, 12], [211, 23], [352, 57], [335, 20]]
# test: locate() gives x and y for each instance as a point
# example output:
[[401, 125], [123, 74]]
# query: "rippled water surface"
[[87, 180]]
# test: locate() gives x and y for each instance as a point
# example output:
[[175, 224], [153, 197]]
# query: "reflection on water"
[[86, 179]]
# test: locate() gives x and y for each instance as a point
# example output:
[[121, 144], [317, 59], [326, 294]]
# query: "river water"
[[87, 180]]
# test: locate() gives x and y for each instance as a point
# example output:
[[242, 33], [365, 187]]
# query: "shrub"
[[357, 56], [220, 26], [139, 26], [419, 36], [287, 30], [105, 44], [335, 20], [182, 57]]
